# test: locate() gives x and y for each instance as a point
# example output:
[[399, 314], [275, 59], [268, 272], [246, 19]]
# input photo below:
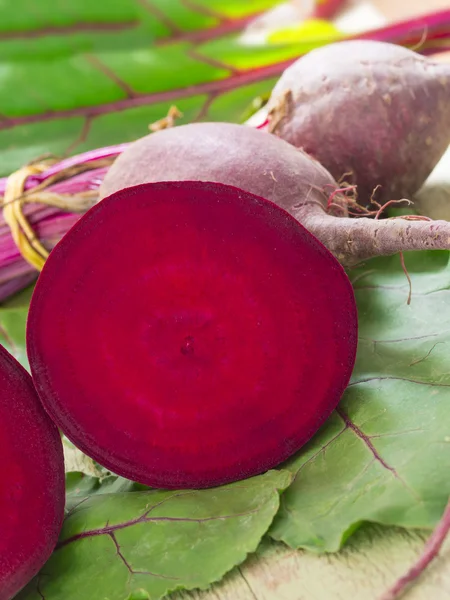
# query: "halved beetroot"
[[188, 334], [31, 482]]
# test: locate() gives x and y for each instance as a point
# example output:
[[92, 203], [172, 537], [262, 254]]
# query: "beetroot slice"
[[188, 334], [31, 479]]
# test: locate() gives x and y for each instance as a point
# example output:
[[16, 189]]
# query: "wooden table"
[[368, 564]]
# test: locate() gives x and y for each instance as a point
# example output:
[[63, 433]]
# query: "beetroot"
[[373, 113], [32, 482], [267, 166], [190, 334]]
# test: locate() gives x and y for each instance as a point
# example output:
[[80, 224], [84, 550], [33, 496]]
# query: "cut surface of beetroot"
[[31, 479], [188, 334]]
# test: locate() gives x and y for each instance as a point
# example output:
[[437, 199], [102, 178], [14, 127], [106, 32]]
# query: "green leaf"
[[79, 485], [384, 456], [124, 545], [75, 76], [91, 75], [12, 332], [13, 320]]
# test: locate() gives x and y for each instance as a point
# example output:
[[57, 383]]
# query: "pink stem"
[[327, 9], [91, 155], [430, 552], [435, 25]]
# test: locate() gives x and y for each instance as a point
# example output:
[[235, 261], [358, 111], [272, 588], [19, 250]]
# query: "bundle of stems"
[[52, 197]]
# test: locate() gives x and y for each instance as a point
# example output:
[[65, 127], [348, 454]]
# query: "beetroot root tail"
[[429, 553], [355, 240]]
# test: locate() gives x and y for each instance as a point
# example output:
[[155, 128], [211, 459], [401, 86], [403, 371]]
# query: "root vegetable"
[[189, 334], [373, 113], [267, 166], [32, 482]]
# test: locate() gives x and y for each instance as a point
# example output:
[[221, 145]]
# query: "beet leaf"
[[384, 455], [12, 331], [117, 545], [90, 76]]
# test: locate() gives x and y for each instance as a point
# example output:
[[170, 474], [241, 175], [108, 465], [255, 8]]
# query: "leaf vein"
[[367, 441], [130, 568], [109, 529], [204, 109], [156, 12], [212, 62], [81, 138], [204, 10], [8, 339], [109, 73], [405, 339], [221, 86], [76, 506], [393, 378], [79, 27], [320, 451]]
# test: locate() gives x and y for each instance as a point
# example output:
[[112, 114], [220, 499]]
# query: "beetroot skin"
[[32, 482], [373, 113], [190, 334], [267, 166]]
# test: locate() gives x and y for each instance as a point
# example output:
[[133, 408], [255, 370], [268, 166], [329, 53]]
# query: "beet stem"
[[355, 240], [430, 552]]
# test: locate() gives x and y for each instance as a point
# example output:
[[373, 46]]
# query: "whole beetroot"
[[263, 164], [373, 113]]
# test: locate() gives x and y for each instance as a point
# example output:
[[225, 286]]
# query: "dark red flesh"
[[31, 479], [189, 334]]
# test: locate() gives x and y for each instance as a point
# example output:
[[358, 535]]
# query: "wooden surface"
[[368, 564]]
